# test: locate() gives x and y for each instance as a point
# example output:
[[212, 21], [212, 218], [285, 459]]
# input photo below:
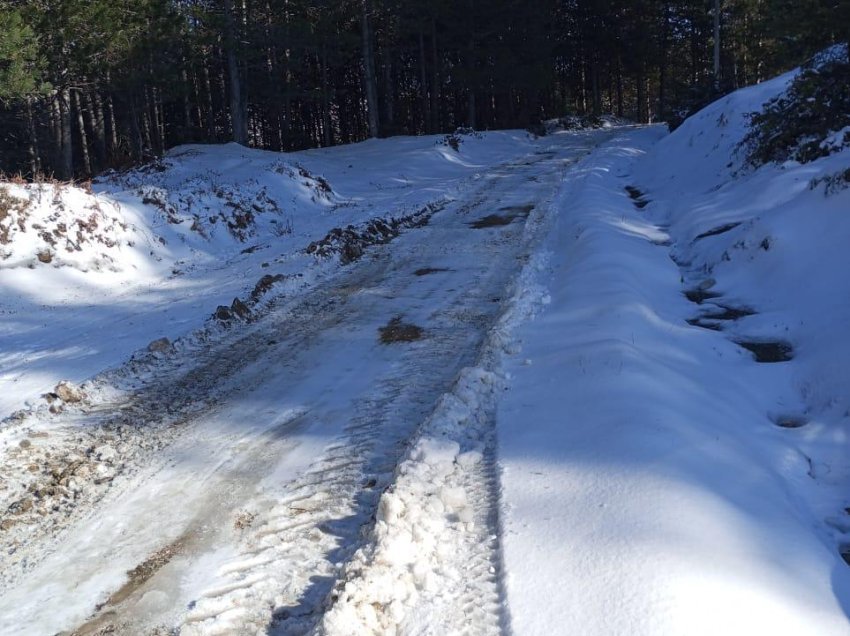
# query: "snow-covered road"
[[230, 493]]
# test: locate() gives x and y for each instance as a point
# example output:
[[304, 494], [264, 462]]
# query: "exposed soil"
[[137, 577], [722, 229], [350, 242], [398, 331], [634, 193], [729, 313], [425, 271], [767, 351], [492, 220]]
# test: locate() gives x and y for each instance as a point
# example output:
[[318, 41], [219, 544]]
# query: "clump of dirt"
[[243, 520], [398, 331], [425, 271], [767, 351], [69, 393], [350, 242]]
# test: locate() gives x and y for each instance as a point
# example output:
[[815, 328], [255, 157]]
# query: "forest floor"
[[594, 383]]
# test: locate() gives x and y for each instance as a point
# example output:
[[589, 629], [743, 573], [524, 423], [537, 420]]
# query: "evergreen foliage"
[[805, 123], [87, 85]]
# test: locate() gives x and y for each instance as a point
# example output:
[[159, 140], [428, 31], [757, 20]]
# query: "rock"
[[222, 312], [69, 393], [25, 443], [160, 345], [44, 256], [265, 284], [240, 309]]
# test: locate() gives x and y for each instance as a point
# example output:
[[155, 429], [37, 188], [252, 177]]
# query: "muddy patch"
[[789, 421], [102, 622], [396, 330], [492, 220], [717, 231], [768, 351], [699, 296], [425, 271], [507, 215]]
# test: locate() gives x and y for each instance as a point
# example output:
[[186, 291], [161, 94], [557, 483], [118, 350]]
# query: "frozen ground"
[[594, 383], [220, 483], [152, 253]]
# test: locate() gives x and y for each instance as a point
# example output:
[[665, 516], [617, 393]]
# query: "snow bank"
[[641, 470], [65, 226], [657, 478]]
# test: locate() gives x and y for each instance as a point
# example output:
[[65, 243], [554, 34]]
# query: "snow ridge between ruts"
[[418, 566]]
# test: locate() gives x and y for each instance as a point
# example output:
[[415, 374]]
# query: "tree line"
[[88, 85]]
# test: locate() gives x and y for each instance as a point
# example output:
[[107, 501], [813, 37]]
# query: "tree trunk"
[[389, 103], [66, 149], [436, 122], [84, 140], [35, 157], [423, 84], [369, 79], [327, 132], [471, 66], [238, 120], [716, 45], [94, 106], [620, 109]]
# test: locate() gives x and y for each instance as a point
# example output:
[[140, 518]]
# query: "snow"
[[586, 450], [161, 257], [647, 488]]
